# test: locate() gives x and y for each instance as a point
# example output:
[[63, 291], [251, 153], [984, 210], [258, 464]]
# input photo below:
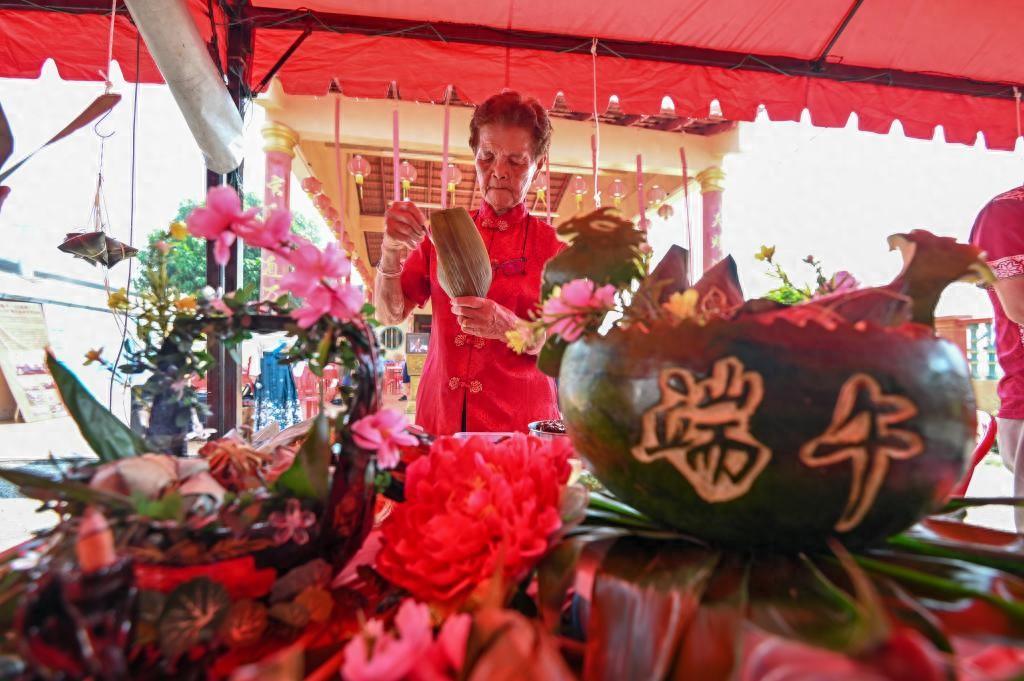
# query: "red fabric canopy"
[[831, 57]]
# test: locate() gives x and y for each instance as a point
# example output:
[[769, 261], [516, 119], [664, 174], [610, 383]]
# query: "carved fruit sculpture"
[[760, 425]]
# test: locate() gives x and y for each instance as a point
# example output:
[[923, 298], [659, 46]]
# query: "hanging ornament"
[[331, 214], [322, 202], [407, 173], [617, 189], [657, 198], [579, 189], [540, 186], [360, 169], [96, 248], [311, 186], [454, 178]]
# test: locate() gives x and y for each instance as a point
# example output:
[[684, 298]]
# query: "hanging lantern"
[[454, 178], [322, 202], [665, 211], [311, 185], [656, 196], [331, 214], [540, 186], [407, 173], [617, 189], [579, 189], [360, 169]]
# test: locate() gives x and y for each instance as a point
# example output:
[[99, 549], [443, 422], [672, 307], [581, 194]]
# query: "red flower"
[[474, 510]]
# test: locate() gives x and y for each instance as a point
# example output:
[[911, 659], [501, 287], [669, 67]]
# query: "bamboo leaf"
[[44, 488], [106, 434], [969, 600], [974, 502], [790, 597], [307, 478], [645, 594], [712, 647]]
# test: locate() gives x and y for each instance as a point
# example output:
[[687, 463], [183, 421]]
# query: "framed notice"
[[26, 387], [416, 343]]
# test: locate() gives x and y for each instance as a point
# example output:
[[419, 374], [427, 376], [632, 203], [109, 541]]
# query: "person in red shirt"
[[999, 232], [471, 380]]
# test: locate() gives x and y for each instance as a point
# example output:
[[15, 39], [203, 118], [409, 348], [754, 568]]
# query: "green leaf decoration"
[[168, 507], [104, 432], [307, 478], [960, 541], [604, 248], [244, 624], [314, 573], [292, 614], [646, 586], [192, 616], [43, 488], [549, 360]]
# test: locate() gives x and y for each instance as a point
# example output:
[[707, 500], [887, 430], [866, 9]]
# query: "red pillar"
[[279, 144], [711, 187]]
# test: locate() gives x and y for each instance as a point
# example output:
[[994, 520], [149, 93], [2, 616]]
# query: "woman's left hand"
[[483, 317]]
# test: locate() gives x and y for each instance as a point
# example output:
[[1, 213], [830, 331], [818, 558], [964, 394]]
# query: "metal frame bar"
[[274, 19]]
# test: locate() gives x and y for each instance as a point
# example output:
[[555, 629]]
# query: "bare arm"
[[404, 230], [390, 302], [1011, 295]]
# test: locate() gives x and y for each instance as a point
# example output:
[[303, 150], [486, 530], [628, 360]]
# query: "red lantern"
[[407, 173], [322, 202], [311, 185]]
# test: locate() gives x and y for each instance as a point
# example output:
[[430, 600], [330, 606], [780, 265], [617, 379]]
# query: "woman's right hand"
[[405, 224]]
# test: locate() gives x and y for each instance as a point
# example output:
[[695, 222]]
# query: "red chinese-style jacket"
[[482, 379]]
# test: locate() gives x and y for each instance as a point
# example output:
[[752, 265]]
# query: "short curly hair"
[[512, 109]]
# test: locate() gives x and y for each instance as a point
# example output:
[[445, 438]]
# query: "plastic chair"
[[980, 450]]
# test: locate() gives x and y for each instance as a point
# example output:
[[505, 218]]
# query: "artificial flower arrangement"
[[165, 565], [420, 559]]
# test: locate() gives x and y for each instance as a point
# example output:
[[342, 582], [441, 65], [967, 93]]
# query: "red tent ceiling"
[[922, 62]]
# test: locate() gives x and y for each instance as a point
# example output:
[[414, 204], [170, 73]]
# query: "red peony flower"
[[474, 510]]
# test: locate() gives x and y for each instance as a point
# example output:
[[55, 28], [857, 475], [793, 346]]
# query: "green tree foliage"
[[186, 266]]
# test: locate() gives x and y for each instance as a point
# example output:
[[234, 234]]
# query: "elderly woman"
[[472, 381]]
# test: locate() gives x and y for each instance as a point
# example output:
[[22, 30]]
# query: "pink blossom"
[[844, 281], [342, 302], [411, 653], [271, 233], [567, 314], [280, 461], [218, 218], [291, 524], [313, 266], [219, 305], [383, 432]]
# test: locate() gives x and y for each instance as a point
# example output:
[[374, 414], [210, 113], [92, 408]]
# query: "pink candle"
[[444, 149], [640, 191], [342, 237], [394, 150], [686, 204], [593, 165], [547, 183]]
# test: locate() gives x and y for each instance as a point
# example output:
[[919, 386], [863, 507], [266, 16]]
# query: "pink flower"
[[342, 302], [383, 432], [270, 234], [576, 305], [292, 523], [411, 653], [313, 266], [219, 305], [844, 281], [218, 218]]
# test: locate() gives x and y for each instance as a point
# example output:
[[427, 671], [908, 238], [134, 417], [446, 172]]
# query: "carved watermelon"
[[761, 425], [772, 435]]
